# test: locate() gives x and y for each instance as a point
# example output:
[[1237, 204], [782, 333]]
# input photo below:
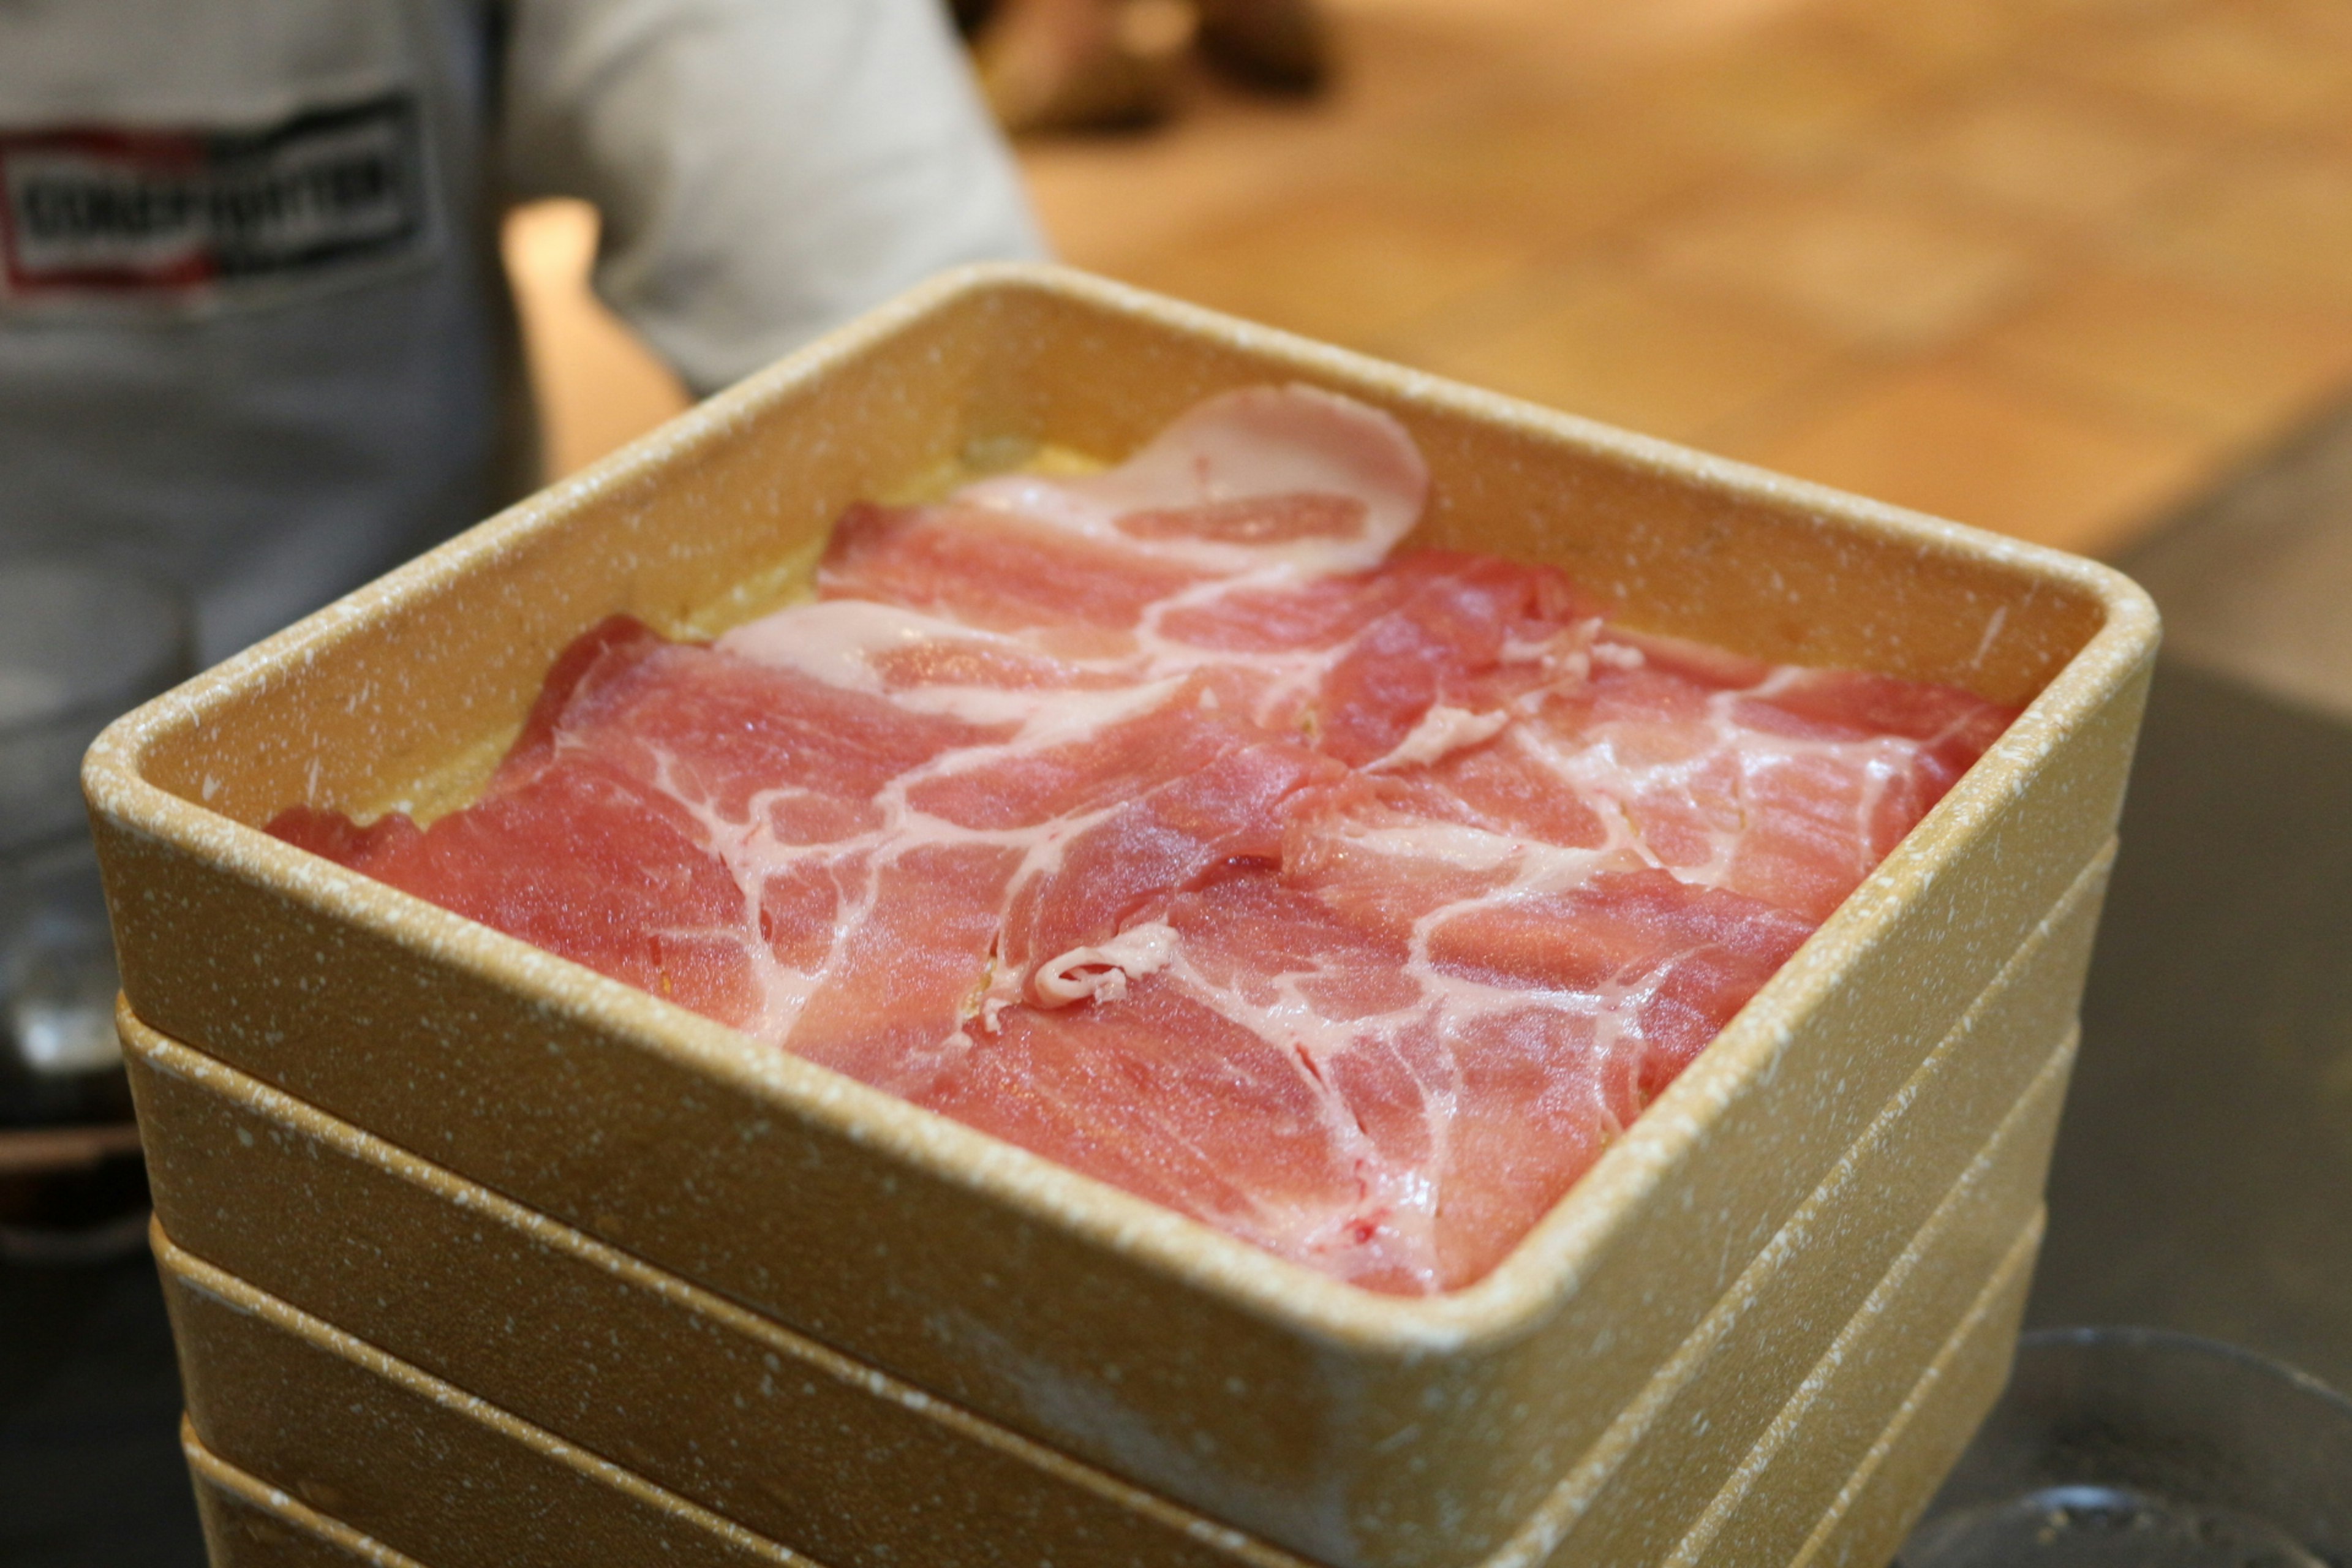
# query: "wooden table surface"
[[2051, 266]]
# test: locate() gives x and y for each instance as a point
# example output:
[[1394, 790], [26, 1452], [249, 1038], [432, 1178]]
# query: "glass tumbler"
[[2143, 1448]]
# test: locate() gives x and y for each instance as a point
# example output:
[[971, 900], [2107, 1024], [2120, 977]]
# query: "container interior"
[[404, 696]]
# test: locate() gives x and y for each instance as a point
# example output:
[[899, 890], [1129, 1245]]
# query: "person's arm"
[[763, 168]]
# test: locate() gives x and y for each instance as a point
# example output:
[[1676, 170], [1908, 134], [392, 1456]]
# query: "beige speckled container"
[[730, 1410], [1889, 1488], [1370, 1432], [1830, 1443], [827, 1454], [426, 1467], [249, 1523], [407, 1459]]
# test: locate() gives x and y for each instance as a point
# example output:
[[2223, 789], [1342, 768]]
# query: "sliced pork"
[[1168, 823]]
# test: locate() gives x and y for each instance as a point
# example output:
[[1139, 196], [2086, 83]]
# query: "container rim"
[[1549, 1263]]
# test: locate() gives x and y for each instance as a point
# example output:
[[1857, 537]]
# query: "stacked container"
[[478, 1257]]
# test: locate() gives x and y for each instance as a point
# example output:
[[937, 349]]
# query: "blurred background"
[[2053, 266], [2079, 271]]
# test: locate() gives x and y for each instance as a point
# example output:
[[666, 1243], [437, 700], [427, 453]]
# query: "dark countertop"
[[2203, 1179], [91, 1474]]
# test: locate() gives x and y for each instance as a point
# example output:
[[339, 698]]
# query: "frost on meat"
[[1163, 822]]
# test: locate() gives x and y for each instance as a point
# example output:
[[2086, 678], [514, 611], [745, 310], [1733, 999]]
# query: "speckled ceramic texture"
[[763, 1425], [415, 1462], [1744, 1376], [405, 1458], [1369, 1431], [828, 1455], [1872, 1513], [1978, 1248], [251, 1524]]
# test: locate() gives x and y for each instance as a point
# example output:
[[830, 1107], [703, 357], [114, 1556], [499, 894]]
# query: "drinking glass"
[[2144, 1448]]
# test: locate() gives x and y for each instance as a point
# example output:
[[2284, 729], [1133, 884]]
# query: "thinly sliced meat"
[[1666, 963], [1951, 728], [1673, 962], [1286, 1075], [999, 572], [1159, 1094], [1393, 853], [587, 861], [602, 656], [1548, 1091], [1122, 869], [1459, 1111], [909, 964], [1156, 822], [1263, 479], [1251, 520], [1503, 786], [719, 731], [1263, 476], [933, 665], [1425, 654], [1179, 1092], [734, 815], [1464, 632], [334, 836], [1086, 754], [1783, 784]]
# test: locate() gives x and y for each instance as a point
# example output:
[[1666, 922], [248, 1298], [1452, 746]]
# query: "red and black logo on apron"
[[92, 209]]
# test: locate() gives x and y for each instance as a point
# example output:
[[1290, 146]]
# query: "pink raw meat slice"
[[1288, 481], [584, 860], [1265, 476], [1670, 960], [1156, 822], [999, 572], [909, 966], [1785, 785], [1290, 1076], [1673, 962], [744, 740], [708, 828], [1431, 632], [1467, 633], [1120, 872], [1084, 757]]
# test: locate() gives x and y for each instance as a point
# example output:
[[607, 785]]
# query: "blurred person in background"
[[253, 331], [1092, 65]]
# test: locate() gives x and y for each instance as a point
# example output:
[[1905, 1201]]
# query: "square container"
[[820, 1451], [1368, 1431], [251, 1524], [1869, 1363], [830, 1456], [431, 1470], [426, 1467]]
